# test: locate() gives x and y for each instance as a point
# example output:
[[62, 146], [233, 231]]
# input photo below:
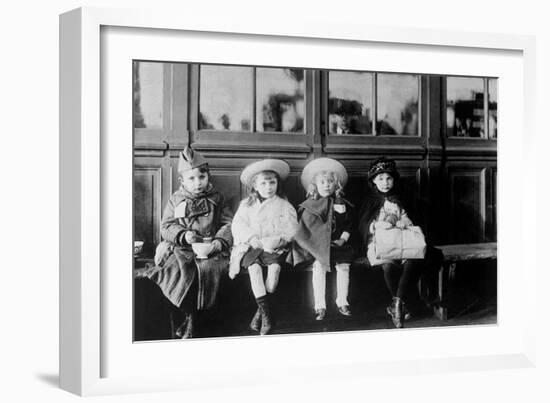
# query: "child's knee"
[[343, 267], [317, 267], [255, 269], [274, 268]]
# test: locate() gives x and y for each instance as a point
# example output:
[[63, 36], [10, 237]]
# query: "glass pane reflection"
[[493, 101], [280, 100], [465, 107], [225, 98], [148, 94], [397, 104], [350, 102]]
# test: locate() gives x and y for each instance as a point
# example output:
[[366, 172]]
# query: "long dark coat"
[[315, 231], [177, 267]]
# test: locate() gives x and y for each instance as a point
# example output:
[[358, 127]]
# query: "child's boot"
[[190, 326], [265, 311], [395, 310], [256, 321]]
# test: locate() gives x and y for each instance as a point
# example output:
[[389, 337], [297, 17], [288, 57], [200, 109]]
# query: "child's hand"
[[382, 225], [401, 224], [338, 242], [191, 237], [216, 247], [255, 243], [282, 244]]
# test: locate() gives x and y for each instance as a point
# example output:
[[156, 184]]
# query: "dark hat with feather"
[[383, 165]]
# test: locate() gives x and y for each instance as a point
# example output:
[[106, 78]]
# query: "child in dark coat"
[[383, 209], [196, 212], [324, 230]]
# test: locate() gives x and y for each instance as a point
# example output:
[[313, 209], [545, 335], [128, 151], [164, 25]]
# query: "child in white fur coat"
[[262, 229]]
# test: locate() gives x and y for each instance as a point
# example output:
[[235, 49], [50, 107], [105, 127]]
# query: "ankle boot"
[[256, 321], [265, 312], [395, 310], [181, 328], [188, 334]]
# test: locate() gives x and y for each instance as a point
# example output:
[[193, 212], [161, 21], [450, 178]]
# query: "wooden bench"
[[452, 255]]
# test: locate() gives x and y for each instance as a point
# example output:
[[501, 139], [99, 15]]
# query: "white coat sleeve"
[[240, 227], [290, 222]]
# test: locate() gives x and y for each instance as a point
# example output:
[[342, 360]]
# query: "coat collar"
[[266, 203], [320, 207], [212, 197]]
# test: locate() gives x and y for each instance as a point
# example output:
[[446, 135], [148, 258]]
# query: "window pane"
[[397, 104], [148, 91], [279, 100], [225, 98], [349, 102], [465, 107], [493, 101]]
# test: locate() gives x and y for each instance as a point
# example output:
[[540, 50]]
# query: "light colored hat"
[[190, 159], [320, 165], [279, 166]]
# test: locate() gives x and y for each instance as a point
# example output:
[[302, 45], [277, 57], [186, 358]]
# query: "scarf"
[[198, 204]]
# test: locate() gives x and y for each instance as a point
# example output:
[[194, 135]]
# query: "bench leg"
[[445, 271]]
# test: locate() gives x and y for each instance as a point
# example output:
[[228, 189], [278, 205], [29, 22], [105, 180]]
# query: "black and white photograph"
[[276, 200]]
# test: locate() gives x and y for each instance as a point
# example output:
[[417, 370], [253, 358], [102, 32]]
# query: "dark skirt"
[[259, 256], [180, 270], [341, 254]]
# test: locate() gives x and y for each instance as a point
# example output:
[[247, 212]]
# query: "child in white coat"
[[263, 228]]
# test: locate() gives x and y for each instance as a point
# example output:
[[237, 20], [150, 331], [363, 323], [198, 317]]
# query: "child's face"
[[383, 182], [266, 185], [194, 181], [326, 185]]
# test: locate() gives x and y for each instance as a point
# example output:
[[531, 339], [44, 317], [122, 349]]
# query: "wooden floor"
[[289, 322]]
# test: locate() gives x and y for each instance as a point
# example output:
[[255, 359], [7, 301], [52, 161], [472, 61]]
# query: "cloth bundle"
[[396, 243]]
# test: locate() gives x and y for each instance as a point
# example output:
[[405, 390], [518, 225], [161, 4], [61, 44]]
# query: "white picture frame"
[[89, 341]]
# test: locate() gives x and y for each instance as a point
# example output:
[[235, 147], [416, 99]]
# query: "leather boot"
[[395, 310], [256, 321], [181, 328], [265, 312], [188, 334]]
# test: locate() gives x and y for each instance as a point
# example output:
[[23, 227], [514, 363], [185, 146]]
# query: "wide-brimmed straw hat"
[[278, 166], [383, 165], [322, 165]]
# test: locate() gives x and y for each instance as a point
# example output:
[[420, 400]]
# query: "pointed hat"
[[190, 159]]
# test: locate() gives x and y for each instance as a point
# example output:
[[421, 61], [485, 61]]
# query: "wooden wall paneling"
[[491, 197], [467, 204], [228, 183], [147, 206], [435, 203], [410, 187]]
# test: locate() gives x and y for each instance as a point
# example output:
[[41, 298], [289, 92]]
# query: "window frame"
[[376, 143], [288, 142], [374, 102], [485, 107], [479, 146], [173, 130]]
